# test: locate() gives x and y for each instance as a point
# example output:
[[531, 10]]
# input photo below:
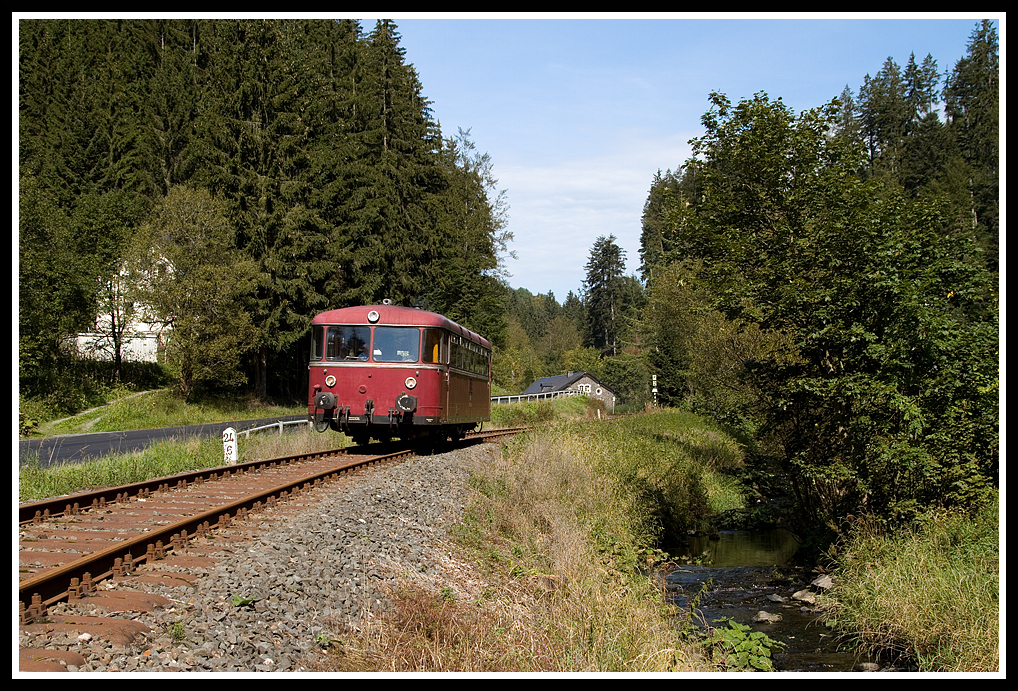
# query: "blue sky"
[[579, 113]]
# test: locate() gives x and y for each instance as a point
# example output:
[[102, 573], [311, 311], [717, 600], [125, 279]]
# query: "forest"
[[823, 283], [235, 178]]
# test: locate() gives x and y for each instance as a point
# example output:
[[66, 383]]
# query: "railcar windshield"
[[344, 343], [397, 344]]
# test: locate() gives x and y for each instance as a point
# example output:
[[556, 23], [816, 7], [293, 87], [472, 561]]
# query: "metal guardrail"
[[535, 396], [280, 424]]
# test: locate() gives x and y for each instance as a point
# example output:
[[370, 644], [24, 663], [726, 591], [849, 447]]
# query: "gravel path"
[[309, 570]]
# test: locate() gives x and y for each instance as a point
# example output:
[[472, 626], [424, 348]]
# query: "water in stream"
[[749, 573]]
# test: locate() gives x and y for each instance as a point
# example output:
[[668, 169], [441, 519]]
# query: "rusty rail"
[[79, 576]]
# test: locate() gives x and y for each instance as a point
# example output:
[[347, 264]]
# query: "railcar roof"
[[394, 315]]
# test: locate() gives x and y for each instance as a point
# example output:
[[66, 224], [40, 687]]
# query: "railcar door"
[[446, 348], [436, 353]]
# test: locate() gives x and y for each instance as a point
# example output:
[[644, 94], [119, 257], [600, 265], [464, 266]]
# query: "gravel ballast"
[[311, 567]]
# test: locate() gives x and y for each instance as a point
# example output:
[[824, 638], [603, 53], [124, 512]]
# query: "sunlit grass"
[[931, 593], [529, 413], [163, 408], [563, 527]]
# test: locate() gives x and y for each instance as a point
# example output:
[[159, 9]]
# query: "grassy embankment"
[[161, 408], [585, 502], [562, 528], [158, 409], [931, 594]]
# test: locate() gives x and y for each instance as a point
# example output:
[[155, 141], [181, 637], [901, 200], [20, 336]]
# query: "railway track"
[[68, 547]]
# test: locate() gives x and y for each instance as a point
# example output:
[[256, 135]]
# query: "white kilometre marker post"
[[230, 446]]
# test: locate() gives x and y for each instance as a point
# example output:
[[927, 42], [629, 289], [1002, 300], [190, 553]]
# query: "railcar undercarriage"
[[394, 424]]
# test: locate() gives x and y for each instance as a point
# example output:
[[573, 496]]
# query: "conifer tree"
[[602, 287], [173, 101], [392, 224], [884, 116], [471, 233], [972, 97], [653, 245]]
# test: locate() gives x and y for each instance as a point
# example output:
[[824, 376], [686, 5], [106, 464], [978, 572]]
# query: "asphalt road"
[[74, 448]]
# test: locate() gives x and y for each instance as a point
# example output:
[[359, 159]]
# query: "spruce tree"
[[602, 296], [653, 244], [972, 97], [471, 232], [884, 116], [392, 243]]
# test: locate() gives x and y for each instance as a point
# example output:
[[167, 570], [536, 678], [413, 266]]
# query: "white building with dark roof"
[[580, 382]]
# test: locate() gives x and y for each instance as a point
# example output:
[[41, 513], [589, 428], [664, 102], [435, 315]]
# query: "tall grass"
[[164, 458], [560, 529], [931, 593], [677, 464]]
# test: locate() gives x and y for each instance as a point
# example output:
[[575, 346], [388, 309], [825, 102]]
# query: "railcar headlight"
[[330, 381], [410, 382], [372, 316]]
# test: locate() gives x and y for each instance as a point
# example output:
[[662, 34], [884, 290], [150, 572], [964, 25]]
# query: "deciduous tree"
[[885, 393], [195, 282]]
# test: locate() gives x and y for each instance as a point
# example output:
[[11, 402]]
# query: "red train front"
[[384, 371]]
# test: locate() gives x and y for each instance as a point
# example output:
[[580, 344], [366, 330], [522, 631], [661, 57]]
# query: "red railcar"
[[384, 371]]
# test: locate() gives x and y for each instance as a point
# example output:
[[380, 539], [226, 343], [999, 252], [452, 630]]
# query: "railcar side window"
[[469, 356], [397, 344], [347, 343], [456, 359]]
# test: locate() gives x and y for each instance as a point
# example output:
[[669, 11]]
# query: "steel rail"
[[69, 504], [38, 592], [51, 587]]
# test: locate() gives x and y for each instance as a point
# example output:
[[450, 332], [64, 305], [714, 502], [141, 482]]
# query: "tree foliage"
[[194, 280], [55, 295], [883, 394]]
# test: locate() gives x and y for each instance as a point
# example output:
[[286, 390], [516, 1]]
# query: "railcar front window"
[[397, 344], [347, 343]]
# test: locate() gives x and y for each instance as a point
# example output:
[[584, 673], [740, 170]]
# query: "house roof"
[[559, 382]]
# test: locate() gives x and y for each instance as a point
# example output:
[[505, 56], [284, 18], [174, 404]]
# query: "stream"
[[749, 572]]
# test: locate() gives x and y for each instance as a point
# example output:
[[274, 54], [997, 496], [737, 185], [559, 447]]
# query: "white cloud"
[[558, 211]]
